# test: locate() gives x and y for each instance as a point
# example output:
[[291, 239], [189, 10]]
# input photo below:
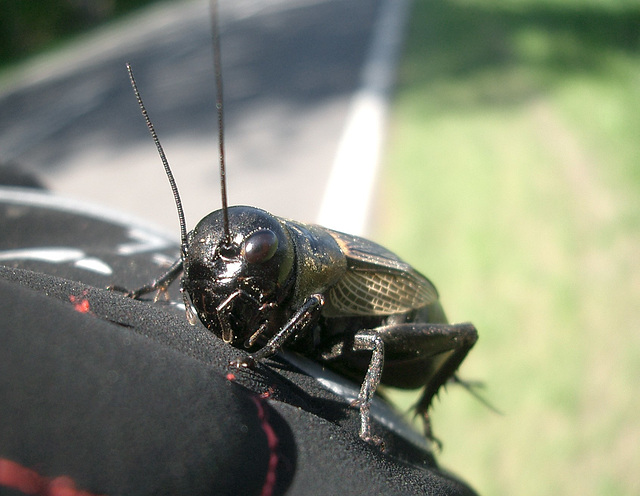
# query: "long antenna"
[[217, 64], [165, 163]]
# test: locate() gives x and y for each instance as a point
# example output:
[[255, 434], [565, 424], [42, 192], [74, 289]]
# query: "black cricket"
[[263, 283]]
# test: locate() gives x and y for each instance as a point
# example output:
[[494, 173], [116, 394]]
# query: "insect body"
[[261, 283], [339, 299], [336, 298]]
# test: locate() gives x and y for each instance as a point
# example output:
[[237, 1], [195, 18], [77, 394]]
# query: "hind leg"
[[417, 355]]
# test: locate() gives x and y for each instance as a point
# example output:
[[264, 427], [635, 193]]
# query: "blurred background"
[[510, 178], [290, 69]]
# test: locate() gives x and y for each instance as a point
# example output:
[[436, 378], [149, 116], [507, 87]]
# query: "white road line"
[[347, 198]]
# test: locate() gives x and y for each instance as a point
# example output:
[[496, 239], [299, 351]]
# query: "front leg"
[[160, 284], [304, 319]]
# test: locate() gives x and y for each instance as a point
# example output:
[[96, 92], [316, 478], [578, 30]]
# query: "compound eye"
[[260, 246]]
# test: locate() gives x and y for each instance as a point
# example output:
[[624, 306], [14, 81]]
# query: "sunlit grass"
[[513, 171]]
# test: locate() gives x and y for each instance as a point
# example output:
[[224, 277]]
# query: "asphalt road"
[[290, 67]]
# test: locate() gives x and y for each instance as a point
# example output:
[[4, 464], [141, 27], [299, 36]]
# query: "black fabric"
[[126, 397]]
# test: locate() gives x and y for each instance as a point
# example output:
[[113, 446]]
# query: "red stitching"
[[28, 481], [79, 303], [272, 442]]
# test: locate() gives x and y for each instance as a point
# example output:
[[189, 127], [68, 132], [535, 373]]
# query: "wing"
[[376, 282]]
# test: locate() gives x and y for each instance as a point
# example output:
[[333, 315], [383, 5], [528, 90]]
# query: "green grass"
[[512, 180]]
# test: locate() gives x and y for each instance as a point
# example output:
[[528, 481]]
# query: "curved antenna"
[[165, 163], [217, 64]]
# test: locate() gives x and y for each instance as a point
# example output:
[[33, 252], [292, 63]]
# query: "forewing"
[[376, 282]]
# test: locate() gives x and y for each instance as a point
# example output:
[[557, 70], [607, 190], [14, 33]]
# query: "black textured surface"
[[125, 397]]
